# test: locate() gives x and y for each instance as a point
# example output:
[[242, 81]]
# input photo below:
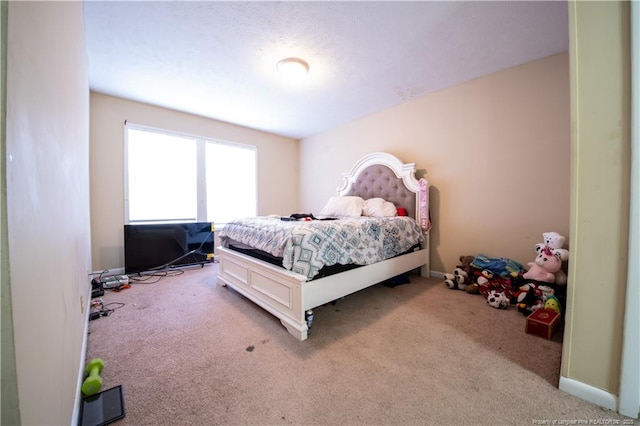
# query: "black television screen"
[[161, 246]]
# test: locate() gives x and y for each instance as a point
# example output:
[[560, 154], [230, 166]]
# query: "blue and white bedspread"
[[306, 247]]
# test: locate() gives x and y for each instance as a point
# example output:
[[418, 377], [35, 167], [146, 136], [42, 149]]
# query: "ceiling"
[[218, 59]]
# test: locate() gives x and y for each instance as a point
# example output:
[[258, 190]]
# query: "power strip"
[[115, 281]]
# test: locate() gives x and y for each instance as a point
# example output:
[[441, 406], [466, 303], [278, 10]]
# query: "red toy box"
[[543, 323]]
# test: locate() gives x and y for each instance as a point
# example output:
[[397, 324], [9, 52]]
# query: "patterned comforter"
[[307, 246]]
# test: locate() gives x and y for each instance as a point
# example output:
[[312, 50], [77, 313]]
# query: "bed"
[[284, 281]]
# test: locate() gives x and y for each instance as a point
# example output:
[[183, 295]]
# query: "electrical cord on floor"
[[197, 250], [154, 277], [99, 309]]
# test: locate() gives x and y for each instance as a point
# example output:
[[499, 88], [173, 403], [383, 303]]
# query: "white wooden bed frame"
[[288, 295]]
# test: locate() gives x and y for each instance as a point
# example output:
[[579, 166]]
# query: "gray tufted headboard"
[[381, 181], [382, 175]]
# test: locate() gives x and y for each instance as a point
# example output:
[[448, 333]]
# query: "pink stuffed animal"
[[554, 242], [545, 267]]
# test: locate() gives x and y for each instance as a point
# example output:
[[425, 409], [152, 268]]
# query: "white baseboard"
[[437, 274], [588, 393], [108, 272], [83, 358]]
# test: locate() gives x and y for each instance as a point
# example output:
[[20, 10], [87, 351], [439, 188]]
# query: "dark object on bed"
[[304, 216]]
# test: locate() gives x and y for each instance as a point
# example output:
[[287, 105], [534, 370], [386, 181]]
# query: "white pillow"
[[378, 207], [343, 206]]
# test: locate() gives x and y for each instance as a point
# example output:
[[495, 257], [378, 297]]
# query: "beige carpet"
[[190, 352]]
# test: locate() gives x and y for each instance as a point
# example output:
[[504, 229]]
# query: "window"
[[172, 177]]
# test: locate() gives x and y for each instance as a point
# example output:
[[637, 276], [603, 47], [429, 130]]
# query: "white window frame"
[[201, 143]]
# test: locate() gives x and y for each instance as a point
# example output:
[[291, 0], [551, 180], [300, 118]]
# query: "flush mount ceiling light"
[[292, 67]]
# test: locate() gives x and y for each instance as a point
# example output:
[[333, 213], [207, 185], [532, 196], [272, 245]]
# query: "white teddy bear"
[[555, 242]]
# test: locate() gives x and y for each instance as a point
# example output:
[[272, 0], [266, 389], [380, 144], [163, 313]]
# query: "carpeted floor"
[[188, 351]]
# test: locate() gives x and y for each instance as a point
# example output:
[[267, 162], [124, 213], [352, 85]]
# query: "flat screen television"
[[149, 247]]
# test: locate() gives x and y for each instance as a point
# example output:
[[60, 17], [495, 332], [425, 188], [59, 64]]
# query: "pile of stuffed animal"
[[505, 282]]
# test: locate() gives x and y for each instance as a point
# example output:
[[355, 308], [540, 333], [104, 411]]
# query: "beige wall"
[[496, 152], [277, 166], [601, 99], [47, 182]]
